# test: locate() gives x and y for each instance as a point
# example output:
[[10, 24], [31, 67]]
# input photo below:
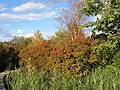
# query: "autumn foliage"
[[72, 56], [68, 52], [70, 59]]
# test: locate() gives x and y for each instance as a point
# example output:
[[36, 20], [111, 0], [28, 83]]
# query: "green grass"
[[29, 79], [1, 82], [103, 79]]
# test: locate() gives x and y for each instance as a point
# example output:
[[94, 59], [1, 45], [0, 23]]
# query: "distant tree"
[[20, 42], [59, 37], [37, 35]]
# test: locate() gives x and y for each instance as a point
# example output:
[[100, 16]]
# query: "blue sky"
[[24, 17]]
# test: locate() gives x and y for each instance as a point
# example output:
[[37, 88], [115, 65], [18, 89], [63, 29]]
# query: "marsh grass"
[[107, 78], [1, 82]]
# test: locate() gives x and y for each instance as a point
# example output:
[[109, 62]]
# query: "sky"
[[24, 17]]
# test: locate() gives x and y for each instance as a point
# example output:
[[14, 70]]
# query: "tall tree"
[[71, 20], [108, 13]]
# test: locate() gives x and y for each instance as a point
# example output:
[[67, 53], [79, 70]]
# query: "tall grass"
[[103, 79], [1, 82], [30, 79], [33, 80]]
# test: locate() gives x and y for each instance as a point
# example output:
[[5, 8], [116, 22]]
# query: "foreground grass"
[[107, 79], [29, 79], [1, 82]]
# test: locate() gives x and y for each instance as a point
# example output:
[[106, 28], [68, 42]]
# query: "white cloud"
[[29, 6], [28, 35], [28, 16], [58, 1], [20, 32]]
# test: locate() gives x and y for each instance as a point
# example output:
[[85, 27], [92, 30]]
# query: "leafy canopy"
[[107, 12]]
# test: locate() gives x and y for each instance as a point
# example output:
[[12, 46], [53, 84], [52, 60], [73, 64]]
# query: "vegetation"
[[70, 60], [102, 79], [9, 58]]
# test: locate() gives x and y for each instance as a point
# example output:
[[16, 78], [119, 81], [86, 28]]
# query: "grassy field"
[[101, 79]]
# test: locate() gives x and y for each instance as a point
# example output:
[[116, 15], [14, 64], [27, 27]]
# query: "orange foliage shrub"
[[74, 56], [36, 54], [70, 51]]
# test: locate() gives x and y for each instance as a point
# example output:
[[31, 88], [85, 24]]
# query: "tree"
[[70, 20], [20, 42], [9, 58], [37, 38], [38, 35], [108, 13], [108, 23]]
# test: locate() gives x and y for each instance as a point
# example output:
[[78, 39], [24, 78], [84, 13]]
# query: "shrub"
[[73, 56], [106, 50], [9, 58], [76, 57], [36, 54], [116, 60]]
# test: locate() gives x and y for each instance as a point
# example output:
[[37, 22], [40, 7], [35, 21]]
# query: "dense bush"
[[107, 50], [73, 56], [116, 60], [37, 53], [9, 58]]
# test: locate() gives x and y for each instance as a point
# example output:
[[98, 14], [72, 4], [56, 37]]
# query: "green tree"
[[108, 23], [108, 13]]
